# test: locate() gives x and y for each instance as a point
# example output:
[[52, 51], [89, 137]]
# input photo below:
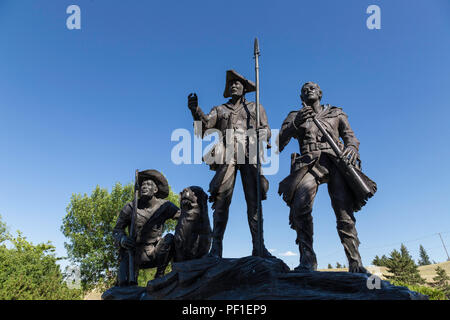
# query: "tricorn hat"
[[249, 86], [158, 179]]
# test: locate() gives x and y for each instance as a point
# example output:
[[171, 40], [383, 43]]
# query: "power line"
[[448, 258], [402, 242], [397, 243]]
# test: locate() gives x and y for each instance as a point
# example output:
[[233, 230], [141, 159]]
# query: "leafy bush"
[[145, 275], [432, 293], [30, 272]]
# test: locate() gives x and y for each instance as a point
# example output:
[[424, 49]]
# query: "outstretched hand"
[[192, 101]]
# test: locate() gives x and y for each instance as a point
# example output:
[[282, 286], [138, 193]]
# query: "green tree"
[[330, 266], [424, 258], [30, 272], [380, 262], [4, 235], [402, 267], [376, 261], [88, 225], [338, 265], [441, 281]]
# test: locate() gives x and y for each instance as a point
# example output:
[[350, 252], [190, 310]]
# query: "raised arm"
[[208, 121]]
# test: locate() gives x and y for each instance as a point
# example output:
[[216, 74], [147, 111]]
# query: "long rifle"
[[363, 188], [131, 271], [258, 162]]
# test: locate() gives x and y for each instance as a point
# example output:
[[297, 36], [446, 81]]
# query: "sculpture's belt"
[[310, 147]]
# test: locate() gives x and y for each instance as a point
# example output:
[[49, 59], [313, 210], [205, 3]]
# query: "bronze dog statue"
[[192, 238]]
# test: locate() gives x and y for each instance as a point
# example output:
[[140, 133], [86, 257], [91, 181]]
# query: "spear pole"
[[131, 270], [258, 162]]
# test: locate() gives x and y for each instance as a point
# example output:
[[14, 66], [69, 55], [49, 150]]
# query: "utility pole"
[[448, 258]]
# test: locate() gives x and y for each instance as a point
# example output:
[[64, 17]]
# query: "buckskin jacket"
[[313, 145], [149, 223], [226, 116]]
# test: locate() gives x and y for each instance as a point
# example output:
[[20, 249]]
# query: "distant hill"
[[427, 272]]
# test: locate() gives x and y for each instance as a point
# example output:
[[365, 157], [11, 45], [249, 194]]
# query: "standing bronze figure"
[[237, 115], [149, 248], [324, 159]]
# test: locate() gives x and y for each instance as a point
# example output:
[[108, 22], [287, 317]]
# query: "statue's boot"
[[164, 253], [349, 239], [265, 252], [304, 228], [256, 243], [217, 236], [252, 217], [216, 248], [220, 219]]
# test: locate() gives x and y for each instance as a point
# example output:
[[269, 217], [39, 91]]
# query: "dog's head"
[[192, 197]]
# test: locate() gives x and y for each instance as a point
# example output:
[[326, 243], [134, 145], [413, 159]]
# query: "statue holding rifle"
[[237, 116], [324, 159], [144, 246]]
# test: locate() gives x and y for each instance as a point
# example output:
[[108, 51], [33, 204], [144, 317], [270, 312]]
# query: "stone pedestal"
[[255, 278]]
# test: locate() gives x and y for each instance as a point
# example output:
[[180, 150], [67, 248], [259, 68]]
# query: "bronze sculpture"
[[149, 248], [196, 275], [237, 114], [319, 164], [192, 238]]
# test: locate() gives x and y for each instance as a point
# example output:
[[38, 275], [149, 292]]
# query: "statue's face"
[[310, 92], [148, 188], [236, 88]]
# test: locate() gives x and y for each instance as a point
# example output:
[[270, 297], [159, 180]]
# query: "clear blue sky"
[[87, 107]]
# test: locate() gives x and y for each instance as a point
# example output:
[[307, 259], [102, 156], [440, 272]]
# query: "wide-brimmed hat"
[[249, 86], [158, 179]]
